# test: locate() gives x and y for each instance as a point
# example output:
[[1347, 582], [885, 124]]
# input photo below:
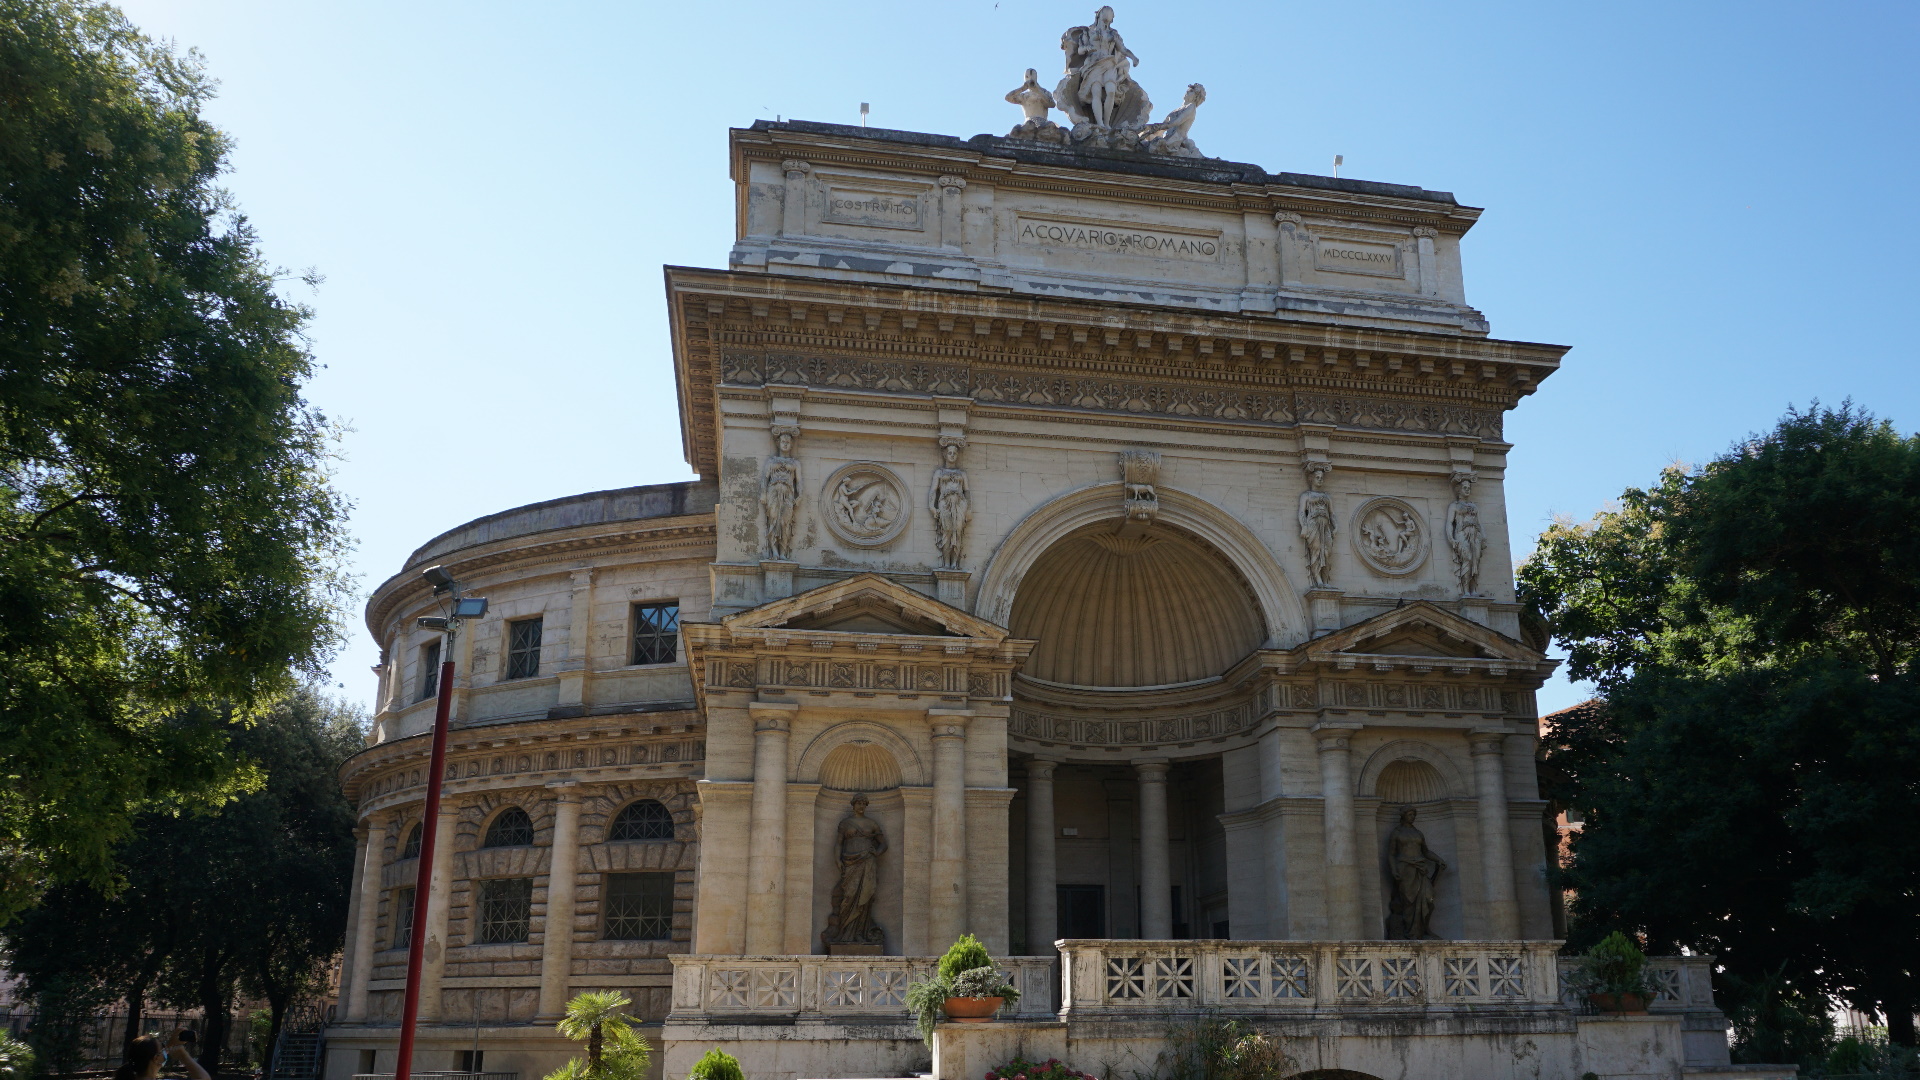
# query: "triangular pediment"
[[1421, 630], [865, 604]]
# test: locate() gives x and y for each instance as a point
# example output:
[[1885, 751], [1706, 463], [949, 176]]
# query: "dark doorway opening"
[[1083, 911]]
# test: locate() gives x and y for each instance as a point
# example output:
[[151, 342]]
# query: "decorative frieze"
[[985, 383], [858, 675]]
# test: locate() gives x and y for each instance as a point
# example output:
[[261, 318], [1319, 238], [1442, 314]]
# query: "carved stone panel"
[[865, 504], [1389, 536]]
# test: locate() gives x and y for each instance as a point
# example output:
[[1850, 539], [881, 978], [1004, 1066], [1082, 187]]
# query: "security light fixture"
[[432, 622], [470, 607], [438, 577]]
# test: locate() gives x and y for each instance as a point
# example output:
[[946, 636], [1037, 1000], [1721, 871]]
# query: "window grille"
[[513, 828], [643, 820], [402, 918], [638, 907], [429, 670], [505, 907], [523, 648], [411, 849], [656, 632]]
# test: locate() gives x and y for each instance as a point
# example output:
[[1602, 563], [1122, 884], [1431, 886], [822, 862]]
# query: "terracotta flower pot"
[[972, 1010], [1620, 1004]]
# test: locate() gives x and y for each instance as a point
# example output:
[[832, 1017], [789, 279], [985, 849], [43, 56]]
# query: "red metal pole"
[[423, 879]]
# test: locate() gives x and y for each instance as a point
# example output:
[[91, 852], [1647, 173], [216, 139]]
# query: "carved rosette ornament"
[[1139, 472], [1389, 536], [865, 504]]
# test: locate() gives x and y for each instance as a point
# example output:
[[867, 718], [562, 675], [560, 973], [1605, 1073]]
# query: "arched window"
[[643, 820], [411, 849], [513, 828]]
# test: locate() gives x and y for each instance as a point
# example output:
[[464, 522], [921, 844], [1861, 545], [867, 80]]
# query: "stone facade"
[[1123, 526]]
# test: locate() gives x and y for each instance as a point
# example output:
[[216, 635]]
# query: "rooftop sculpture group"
[[1108, 109]]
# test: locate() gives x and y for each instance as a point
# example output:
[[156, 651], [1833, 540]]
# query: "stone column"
[[563, 877], [439, 900], [1273, 837], [1496, 845], [767, 838], [947, 906], [1424, 236], [1336, 793], [363, 920], [576, 667], [1156, 874], [950, 214], [1043, 915], [793, 204]]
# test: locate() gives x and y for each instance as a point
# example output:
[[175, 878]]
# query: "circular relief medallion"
[[865, 503], [1389, 536]]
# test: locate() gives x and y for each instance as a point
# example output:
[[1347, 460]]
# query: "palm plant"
[[614, 1051]]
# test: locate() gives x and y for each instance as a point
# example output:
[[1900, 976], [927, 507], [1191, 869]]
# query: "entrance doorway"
[[1083, 911]]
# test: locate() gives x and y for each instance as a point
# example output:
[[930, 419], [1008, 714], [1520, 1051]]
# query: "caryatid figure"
[[1316, 525], [1465, 536], [780, 497], [951, 505]]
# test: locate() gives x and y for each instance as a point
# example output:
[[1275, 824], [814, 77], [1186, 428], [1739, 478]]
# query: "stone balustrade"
[[1157, 978], [722, 988], [1680, 983]]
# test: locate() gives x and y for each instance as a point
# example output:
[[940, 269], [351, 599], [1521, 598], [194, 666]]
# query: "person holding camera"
[[147, 1057]]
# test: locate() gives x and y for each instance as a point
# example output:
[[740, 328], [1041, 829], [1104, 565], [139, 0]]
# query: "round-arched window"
[[411, 849], [513, 828], [643, 820]]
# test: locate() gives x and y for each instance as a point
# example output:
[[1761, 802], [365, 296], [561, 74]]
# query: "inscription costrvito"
[[872, 208], [1149, 241]]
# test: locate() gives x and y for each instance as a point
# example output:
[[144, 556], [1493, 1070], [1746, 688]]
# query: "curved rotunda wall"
[[1142, 608]]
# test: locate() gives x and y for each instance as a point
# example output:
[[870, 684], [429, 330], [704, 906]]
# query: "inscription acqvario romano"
[[1117, 239]]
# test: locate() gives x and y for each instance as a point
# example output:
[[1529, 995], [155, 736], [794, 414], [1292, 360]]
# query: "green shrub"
[[716, 1064], [964, 955], [1614, 966], [16, 1058]]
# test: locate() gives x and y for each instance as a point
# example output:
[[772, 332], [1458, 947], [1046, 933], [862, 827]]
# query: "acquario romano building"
[[1122, 530]]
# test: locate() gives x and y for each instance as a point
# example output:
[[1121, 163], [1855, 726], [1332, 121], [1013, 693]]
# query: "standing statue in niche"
[[1465, 537], [1316, 525], [950, 505], [1098, 92], [1415, 868], [850, 927], [780, 497]]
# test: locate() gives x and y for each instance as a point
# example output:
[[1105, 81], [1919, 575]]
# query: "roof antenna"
[[1338, 160], [863, 114]]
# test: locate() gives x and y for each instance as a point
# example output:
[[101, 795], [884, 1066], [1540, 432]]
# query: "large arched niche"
[[1147, 607], [1278, 602]]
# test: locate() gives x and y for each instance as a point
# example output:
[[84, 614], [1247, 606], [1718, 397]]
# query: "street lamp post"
[[458, 608]]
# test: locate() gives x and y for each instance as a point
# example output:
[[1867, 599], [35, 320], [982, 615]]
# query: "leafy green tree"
[[614, 1050], [167, 534], [1753, 626], [250, 897]]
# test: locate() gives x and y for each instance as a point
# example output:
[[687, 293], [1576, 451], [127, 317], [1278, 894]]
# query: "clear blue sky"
[[1714, 203]]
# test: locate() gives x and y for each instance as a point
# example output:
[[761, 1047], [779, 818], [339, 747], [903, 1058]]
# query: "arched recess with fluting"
[[1278, 602], [866, 741], [1440, 769], [1152, 607]]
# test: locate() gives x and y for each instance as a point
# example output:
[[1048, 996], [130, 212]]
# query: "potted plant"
[[966, 988], [1614, 975]]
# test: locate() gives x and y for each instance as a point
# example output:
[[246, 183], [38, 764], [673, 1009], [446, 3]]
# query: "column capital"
[[1334, 735], [563, 790], [582, 576], [362, 831], [1487, 741], [1041, 768], [1151, 770], [949, 723]]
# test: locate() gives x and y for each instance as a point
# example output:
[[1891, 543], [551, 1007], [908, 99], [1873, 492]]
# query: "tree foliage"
[[166, 528], [1748, 772], [251, 897], [614, 1050]]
